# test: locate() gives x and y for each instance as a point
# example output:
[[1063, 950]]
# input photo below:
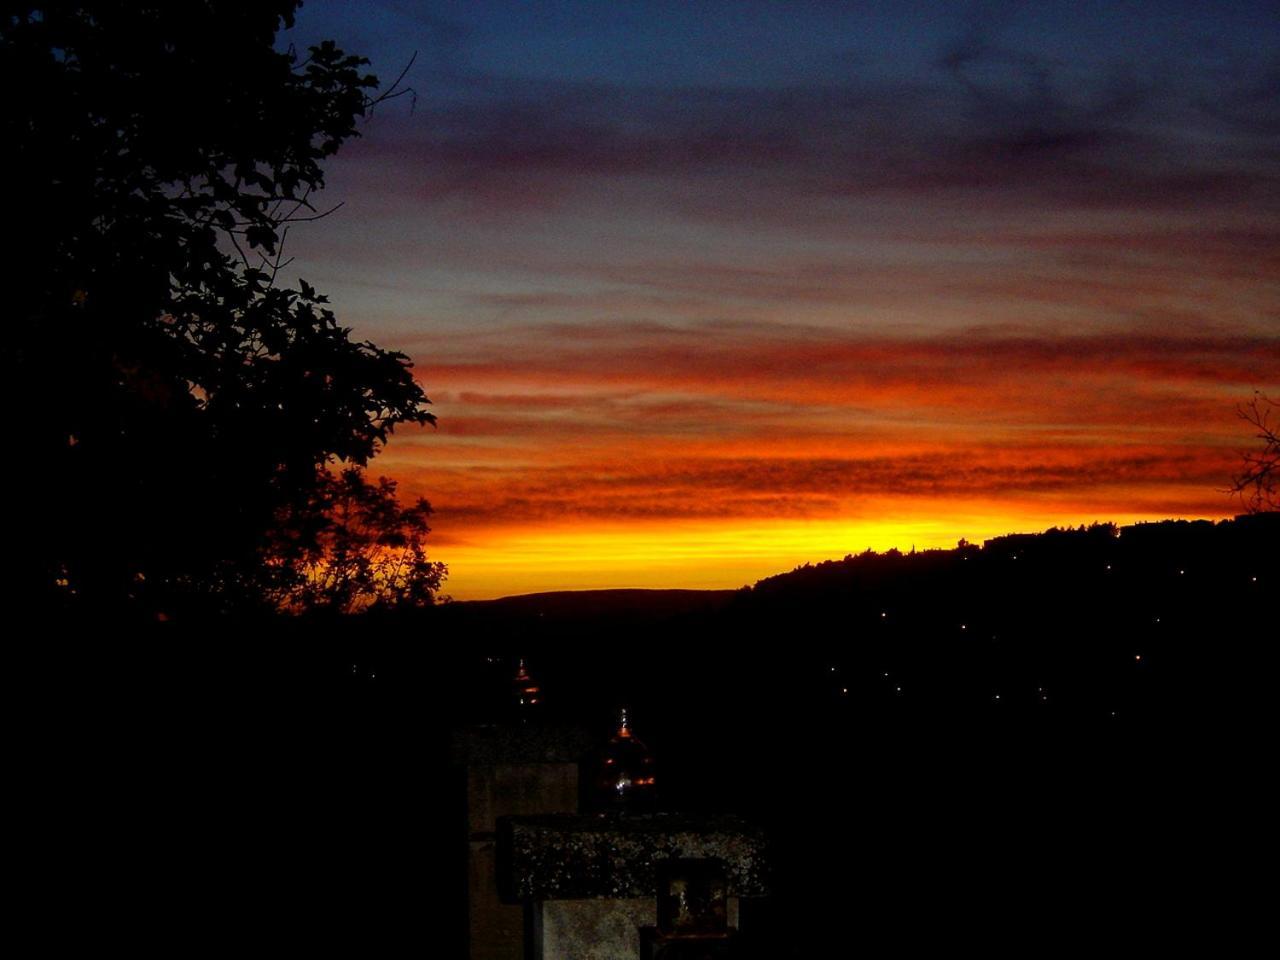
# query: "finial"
[[623, 729]]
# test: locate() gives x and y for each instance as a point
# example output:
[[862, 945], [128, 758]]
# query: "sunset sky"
[[702, 291]]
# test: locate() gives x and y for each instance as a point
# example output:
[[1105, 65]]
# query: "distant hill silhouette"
[[1092, 623], [589, 604]]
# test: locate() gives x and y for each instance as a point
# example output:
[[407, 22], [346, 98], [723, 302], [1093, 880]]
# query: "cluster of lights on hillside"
[[843, 690]]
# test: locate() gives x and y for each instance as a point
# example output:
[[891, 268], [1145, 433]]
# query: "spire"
[[625, 774], [527, 692]]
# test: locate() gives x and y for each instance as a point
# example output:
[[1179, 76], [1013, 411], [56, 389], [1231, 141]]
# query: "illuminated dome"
[[625, 773]]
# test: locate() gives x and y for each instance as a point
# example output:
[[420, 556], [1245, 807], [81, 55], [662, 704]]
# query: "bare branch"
[[392, 93], [1256, 483], [244, 258], [319, 216]]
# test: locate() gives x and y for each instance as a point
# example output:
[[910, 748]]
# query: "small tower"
[[625, 774], [527, 693]]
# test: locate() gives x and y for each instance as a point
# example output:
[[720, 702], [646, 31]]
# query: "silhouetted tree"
[[351, 548], [168, 397], [1256, 482]]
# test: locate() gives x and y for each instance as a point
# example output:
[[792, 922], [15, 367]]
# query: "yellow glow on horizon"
[[719, 554]]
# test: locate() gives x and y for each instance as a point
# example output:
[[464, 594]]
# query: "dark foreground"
[[1058, 770]]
